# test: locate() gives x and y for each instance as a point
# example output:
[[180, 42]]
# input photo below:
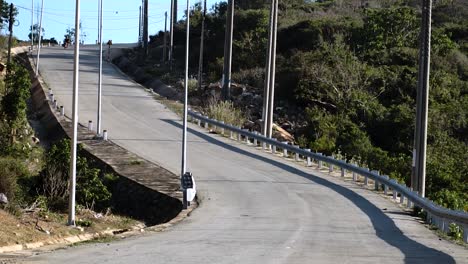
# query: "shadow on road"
[[385, 228]]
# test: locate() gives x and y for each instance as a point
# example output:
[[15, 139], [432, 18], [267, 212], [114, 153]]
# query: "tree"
[[34, 33]]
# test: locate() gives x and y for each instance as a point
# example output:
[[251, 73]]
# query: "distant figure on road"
[[66, 42]]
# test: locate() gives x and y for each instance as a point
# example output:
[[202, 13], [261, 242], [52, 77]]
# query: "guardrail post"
[[445, 226], [255, 139], [231, 135], [215, 127], [62, 111], [50, 92], [309, 161], [320, 163], [402, 198], [297, 154], [409, 203], [394, 191], [199, 122], [239, 137], [330, 166], [222, 129], [52, 97], [90, 125], [104, 135], [247, 141], [343, 172], [366, 179], [206, 123], [385, 185], [285, 151], [273, 148], [55, 105], [376, 182], [465, 233]]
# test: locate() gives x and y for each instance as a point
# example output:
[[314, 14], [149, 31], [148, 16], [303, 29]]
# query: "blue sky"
[[120, 17]]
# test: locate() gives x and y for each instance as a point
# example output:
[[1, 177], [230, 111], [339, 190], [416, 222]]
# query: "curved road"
[[255, 208]]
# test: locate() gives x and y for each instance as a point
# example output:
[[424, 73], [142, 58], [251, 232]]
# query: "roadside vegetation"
[[346, 80]]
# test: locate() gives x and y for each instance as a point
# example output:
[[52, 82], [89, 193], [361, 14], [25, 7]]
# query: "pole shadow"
[[385, 228]]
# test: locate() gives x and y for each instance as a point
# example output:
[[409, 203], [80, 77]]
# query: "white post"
[[40, 39], [366, 180], [222, 129], [62, 111], [90, 125], [74, 138], [320, 163], [184, 134], [343, 172], [309, 161], [465, 233], [376, 183], [99, 110], [52, 98], [247, 141], [297, 155], [285, 151], [104, 135], [402, 198], [55, 104], [199, 122], [231, 135], [385, 185], [255, 140]]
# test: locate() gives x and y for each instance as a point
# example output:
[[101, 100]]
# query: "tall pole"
[[202, 43], [32, 25], [99, 21], [139, 29], [226, 90], [171, 38], [273, 70], [266, 92], [99, 112], [421, 148], [39, 43], [145, 27], [165, 38], [11, 21], [72, 184], [184, 133]]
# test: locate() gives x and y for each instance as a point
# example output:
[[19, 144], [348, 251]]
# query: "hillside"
[[346, 80]]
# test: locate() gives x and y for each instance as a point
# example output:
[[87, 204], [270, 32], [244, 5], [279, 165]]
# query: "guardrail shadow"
[[385, 228]]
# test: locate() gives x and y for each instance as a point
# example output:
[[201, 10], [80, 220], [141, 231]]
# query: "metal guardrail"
[[436, 215]]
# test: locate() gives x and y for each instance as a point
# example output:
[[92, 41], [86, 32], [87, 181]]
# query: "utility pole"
[[99, 21], [171, 38], [99, 111], [422, 100], [145, 27], [11, 22], [184, 133], [202, 43], [226, 90], [273, 69], [72, 184], [175, 11], [266, 92], [165, 38], [32, 25], [39, 43]]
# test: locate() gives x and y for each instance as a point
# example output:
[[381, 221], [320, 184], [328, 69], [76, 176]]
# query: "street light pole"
[[40, 39], [266, 92], [74, 137], [99, 112], [184, 133]]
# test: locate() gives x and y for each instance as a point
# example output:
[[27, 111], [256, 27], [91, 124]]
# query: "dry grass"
[[32, 227]]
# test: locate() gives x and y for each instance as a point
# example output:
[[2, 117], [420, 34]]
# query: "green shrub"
[[10, 171]]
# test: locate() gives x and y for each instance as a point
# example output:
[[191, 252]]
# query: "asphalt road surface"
[[255, 208]]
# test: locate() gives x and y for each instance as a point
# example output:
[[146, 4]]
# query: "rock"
[[237, 89], [258, 100], [3, 199], [247, 98]]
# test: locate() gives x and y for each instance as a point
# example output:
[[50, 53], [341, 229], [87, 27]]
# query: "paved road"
[[255, 208]]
